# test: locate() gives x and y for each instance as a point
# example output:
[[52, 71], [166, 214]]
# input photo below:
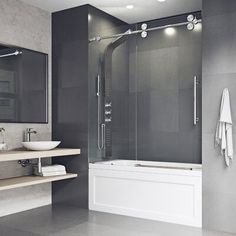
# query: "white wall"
[[29, 27]]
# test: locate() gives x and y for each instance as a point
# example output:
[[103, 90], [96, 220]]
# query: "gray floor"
[[69, 221]]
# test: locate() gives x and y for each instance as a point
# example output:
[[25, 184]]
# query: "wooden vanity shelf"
[[16, 155], [23, 181]]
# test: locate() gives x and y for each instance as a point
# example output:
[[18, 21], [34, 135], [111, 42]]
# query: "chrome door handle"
[[195, 117], [103, 135]]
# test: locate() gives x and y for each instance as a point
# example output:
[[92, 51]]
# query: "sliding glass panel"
[[167, 62]]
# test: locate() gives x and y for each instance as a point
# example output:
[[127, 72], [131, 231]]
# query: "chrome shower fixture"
[[144, 34], [192, 22], [16, 53], [144, 26], [190, 26], [190, 18], [144, 30]]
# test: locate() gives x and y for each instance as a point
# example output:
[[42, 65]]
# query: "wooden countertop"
[[27, 154]]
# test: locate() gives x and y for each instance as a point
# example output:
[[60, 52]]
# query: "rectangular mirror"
[[23, 85]]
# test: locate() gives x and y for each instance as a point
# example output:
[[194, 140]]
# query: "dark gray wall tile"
[[70, 99]]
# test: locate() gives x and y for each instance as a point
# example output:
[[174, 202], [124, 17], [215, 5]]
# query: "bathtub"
[[163, 191]]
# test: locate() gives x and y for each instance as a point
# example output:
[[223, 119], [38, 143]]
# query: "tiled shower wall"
[[29, 27]]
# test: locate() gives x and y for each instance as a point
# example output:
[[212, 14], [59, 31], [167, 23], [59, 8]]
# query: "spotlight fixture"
[[161, 0]]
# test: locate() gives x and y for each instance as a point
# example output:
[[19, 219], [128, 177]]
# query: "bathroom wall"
[[70, 99], [29, 27], [219, 72]]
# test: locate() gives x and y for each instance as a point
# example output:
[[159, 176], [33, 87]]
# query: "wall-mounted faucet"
[[28, 133]]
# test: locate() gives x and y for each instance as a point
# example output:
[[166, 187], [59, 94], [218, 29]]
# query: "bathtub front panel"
[[158, 196]]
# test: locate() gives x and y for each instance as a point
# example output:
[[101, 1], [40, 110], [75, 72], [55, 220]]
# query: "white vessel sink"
[[41, 145]]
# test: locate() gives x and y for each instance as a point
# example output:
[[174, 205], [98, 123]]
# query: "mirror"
[[23, 85]]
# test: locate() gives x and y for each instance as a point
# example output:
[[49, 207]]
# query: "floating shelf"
[[24, 181], [24, 154]]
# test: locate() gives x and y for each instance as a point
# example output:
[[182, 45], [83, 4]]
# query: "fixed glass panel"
[[108, 62]]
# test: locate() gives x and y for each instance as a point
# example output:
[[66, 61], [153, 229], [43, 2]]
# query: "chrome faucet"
[[28, 133]]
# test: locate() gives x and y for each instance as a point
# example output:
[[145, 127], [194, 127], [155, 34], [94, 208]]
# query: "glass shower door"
[[167, 62]]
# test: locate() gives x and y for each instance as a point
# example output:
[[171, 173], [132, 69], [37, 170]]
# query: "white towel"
[[223, 137], [55, 173], [53, 168]]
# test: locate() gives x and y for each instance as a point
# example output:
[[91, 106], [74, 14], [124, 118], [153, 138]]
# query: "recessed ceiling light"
[[130, 6], [170, 31], [161, 0]]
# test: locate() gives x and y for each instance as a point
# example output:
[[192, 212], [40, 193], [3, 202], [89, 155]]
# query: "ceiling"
[[143, 9]]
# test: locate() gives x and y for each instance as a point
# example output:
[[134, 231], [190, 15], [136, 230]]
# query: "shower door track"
[[130, 32]]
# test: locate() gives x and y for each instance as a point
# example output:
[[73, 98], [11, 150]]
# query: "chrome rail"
[[165, 167]]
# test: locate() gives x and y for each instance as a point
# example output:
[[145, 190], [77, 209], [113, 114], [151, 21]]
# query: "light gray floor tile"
[[71, 221]]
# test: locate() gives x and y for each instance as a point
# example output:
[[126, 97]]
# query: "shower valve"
[[108, 120], [108, 104], [107, 112]]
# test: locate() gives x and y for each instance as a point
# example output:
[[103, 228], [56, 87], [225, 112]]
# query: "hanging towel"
[[223, 137]]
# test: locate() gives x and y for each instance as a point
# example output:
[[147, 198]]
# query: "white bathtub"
[[164, 191]]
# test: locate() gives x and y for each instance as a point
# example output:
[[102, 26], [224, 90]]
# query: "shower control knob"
[[108, 104], [108, 120], [107, 112]]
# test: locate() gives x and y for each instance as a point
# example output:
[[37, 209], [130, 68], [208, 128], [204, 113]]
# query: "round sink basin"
[[41, 145]]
